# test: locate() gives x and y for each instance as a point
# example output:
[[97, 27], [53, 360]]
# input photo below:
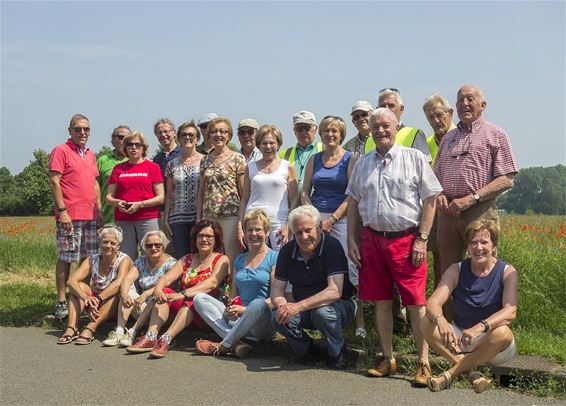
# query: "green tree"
[[538, 190], [33, 185], [10, 200], [104, 150]]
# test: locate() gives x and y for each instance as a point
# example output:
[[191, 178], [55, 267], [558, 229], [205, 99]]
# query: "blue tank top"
[[329, 184], [477, 298]]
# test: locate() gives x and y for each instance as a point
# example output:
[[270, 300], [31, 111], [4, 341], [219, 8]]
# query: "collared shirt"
[[390, 188], [433, 144], [255, 155], [470, 158], [310, 276], [78, 170], [302, 156], [106, 163], [356, 145], [163, 158]]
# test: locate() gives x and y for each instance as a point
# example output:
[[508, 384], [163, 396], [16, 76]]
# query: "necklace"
[[202, 261]]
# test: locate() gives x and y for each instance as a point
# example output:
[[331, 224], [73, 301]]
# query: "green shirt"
[[106, 163]]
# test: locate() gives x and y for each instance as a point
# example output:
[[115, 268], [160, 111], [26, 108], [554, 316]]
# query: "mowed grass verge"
[[535, 245]]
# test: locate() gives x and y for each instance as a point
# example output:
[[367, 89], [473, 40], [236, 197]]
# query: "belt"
[[394, 234]]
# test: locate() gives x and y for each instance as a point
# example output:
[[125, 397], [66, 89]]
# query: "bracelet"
[[184, 294], [61, 209], [485, 325], [333, 217]]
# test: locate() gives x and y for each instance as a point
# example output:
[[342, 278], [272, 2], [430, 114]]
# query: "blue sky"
[[134, 62]]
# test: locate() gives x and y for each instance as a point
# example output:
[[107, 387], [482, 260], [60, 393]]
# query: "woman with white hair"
[[105, 270], [136, 292]]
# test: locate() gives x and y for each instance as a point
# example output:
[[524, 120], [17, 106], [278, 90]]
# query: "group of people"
[[266, 240]]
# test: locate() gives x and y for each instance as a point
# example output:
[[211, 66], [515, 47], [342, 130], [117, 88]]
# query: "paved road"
[[34, 370]]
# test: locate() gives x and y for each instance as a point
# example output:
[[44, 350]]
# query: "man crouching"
[[316, 266]]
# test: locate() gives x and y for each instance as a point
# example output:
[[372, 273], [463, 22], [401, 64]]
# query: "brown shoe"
[[206, 347], [387, 367], [423, 372]]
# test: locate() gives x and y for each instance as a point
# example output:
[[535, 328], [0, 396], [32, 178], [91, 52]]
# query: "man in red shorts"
[[76, 194], [392, 193]]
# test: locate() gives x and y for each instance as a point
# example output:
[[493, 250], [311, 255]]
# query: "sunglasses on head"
[[391, 89]]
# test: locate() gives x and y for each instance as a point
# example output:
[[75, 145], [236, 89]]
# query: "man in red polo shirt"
[[76, 194]]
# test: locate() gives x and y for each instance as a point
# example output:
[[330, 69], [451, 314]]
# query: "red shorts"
[[197, 323], [388, 260]]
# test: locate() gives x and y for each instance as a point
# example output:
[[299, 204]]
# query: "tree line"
[[537, 190]]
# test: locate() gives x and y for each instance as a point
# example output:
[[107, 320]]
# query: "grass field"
[[535, 245]]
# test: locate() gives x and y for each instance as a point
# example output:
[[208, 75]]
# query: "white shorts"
[[501, 358]]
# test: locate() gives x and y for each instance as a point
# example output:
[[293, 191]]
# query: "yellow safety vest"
[[405, 137], [433, 147], [289, 153]]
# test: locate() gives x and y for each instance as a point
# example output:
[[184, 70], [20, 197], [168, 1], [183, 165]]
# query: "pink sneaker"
[[142, 344], [159, 349]]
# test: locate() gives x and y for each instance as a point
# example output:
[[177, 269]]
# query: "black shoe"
[[338, 362], [312, 356]]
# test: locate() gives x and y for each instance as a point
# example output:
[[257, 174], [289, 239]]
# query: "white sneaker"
[[113, 339], [126, 340], [361, 332]]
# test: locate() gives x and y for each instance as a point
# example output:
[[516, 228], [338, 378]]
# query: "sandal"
[[66, 338], [436, 385], [82, 340], [479, 382]]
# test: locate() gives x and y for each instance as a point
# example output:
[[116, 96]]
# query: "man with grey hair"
[[475, 164], [166, 133], [392, 193], [316, 265], [247, 129], [390, 98], [106, 162], [304, 127], [438, 113], [360, 118]]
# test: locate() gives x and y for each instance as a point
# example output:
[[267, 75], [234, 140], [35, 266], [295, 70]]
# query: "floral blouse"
[[221, 194], [149, 277]]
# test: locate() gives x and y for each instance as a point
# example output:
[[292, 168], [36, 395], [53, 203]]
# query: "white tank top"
[[268, 191]]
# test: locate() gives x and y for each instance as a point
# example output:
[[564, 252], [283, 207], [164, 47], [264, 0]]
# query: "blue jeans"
[[254, 323], [181, 238], [329, 320]]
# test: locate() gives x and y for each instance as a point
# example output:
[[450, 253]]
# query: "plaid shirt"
[[470, 158], [390, 188]]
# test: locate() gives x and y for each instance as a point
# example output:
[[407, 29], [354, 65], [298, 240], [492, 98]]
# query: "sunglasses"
[[249, 131], [187, 135], [150, 245], [357, 116], [134, 144], [302, 127], [120, 137], [80, 129]]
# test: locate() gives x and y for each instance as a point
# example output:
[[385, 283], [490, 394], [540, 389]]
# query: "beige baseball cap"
[[362, 105], [248, 122], [304, 117]]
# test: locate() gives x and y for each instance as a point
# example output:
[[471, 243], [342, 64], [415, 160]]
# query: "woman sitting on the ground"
[[484, 291], [251, 318], [106, 271], [202, 272], [137, 289]]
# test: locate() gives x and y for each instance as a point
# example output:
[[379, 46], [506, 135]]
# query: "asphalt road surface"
[[36, 371]]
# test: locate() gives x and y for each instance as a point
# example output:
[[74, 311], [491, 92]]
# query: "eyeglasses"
[[187, 135], [357, 116], [120, 137], [80, 129], [134, 144], [220, 131], [150, 245], [249, 131], [303, 127], [208, 237], [391, 89]]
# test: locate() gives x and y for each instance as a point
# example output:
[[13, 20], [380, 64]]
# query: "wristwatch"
[[422, 236], [476, 197], [61, 209]]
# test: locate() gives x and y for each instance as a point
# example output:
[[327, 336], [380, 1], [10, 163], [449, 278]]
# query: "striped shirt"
[[469, 159], [390, 188]]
